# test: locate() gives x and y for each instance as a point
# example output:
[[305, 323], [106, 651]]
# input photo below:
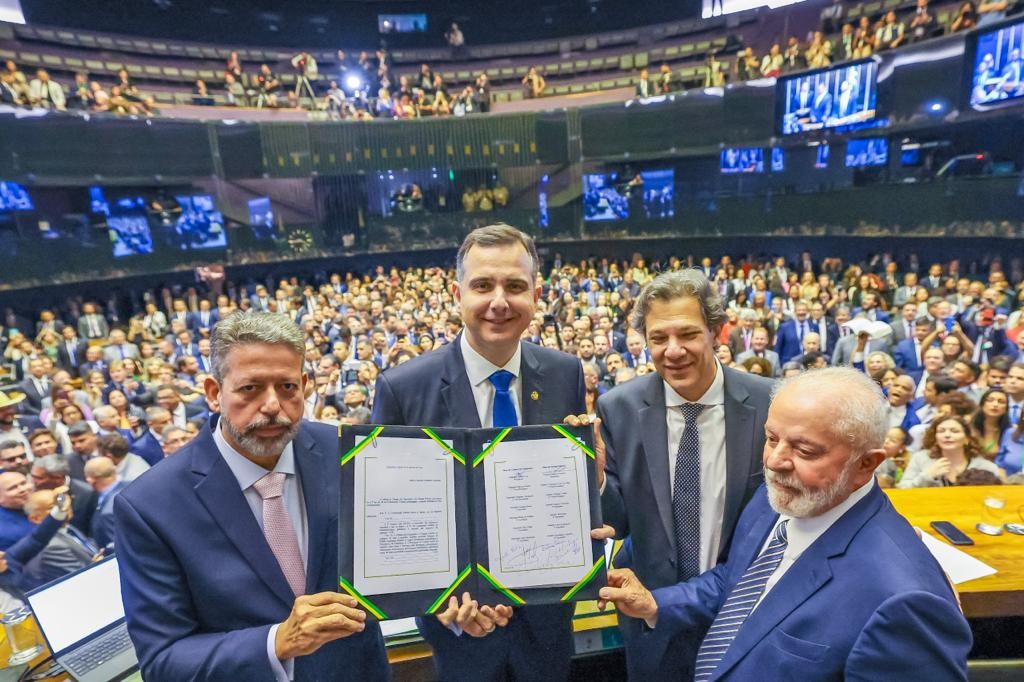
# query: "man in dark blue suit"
[[488, 377], [790, 337], [821, 108], [648, 497], [228, 550], [908, 352], [825, 579]]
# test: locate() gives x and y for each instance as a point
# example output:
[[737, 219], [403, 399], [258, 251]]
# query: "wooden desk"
[[996, 595]]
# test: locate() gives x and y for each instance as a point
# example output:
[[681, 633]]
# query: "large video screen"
[[14, 197], [842, 97], [401, 23], [647, 194], [201, 225], [716, 8], [129, 234], [872, 151], [742, 160], [998, 66]]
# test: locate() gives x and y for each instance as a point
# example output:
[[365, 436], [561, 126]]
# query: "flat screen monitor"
[[401, 23], [129, 234], [200, 225], [715, 8], [778, 160], [872, 151], [998, 64], [821, 156], [841, 97], [646, 195], [14, 197], [742, 160]]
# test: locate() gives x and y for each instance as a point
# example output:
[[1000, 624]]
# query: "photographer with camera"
[[306, 72]]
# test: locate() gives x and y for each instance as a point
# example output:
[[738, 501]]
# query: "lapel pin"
[[534, 395]]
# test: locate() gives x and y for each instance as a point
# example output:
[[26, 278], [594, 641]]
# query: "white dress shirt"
[[247, 472], [711, 425], [896, 415], [802, 533], [479, 369], [178, 416]]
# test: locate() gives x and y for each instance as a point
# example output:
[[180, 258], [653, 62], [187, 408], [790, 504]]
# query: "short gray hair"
[[861, 411], [248, 328], [748, 314], [498, 234], [55, 465], [669, 286]]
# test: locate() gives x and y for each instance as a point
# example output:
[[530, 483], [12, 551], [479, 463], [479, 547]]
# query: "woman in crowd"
[[755, 365], [724, 354], [991, 421], [890, 471], [966, 18], [877, 364], [93, 386], [48, 341], [129, 416], [950, 449]]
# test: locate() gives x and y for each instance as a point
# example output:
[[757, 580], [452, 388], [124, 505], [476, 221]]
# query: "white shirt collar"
[[245, 471], [479, 369], [801, 533], [715, 395]]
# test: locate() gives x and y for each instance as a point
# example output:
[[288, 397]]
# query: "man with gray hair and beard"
[[228, 550], [825, 580]]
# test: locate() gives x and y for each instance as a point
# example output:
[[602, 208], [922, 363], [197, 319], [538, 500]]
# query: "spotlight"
[[353, 83]]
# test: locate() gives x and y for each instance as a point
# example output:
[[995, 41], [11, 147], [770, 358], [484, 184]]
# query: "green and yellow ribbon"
[[451, 588], [363, 601], [347, 457], [515, 598], [584, 580], [444, 446], [490, 448], [577, 441]]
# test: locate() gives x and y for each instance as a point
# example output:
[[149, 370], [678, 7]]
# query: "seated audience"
[[950, 448]]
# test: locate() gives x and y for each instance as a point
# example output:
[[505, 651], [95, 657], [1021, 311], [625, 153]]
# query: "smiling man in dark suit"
[[682, 450], [228, 550], [488, 377]]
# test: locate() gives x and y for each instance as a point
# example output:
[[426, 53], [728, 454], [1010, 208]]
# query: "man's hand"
[[599, 450], [473, 619], [605, 532], [628, 594], [315, 620], [862, 341], [3, 563]]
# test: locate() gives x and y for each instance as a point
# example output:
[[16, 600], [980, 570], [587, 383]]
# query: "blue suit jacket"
[[787, 342], [866, 601], [201, 587], [434, 390], [148, 448], [906, 357]]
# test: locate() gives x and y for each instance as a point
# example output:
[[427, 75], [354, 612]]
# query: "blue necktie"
[[504, 413], [737, 607], [1014, 414], [686, 495]]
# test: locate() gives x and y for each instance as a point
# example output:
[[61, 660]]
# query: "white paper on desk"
[[538, 513], [959, 566], [404, 531], [875, 329]]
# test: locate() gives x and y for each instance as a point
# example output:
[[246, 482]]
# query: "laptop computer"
[[82, 618]]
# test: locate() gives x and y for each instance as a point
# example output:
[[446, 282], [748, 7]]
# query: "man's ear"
[[212, 390]]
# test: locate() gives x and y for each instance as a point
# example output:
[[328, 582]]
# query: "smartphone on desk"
[[951, 533]]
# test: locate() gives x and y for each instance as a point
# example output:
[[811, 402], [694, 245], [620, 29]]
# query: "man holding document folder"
[[488, 377]]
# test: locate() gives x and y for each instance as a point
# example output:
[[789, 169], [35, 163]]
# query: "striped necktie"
[[742, 599]]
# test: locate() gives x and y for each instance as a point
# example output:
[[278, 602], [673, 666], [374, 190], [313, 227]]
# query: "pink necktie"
[[278, 529]]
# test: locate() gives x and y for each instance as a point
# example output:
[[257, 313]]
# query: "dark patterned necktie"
[[686, 495]]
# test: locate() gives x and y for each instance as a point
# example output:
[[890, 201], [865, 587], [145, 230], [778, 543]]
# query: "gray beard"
[[808, 502], [263, 447]]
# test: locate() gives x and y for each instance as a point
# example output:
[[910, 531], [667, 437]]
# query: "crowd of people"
[[367, 86], [96, 397]]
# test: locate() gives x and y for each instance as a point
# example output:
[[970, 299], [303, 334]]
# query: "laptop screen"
[[81, 605]]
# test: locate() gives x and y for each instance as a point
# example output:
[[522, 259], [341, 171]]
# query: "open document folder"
[[504, 514]]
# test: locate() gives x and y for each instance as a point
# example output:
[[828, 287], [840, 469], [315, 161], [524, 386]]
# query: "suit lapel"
[[654, 433], [739, 441], [530, 384], [309, 462], [218, 490], [805, 577], [456, 392]]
